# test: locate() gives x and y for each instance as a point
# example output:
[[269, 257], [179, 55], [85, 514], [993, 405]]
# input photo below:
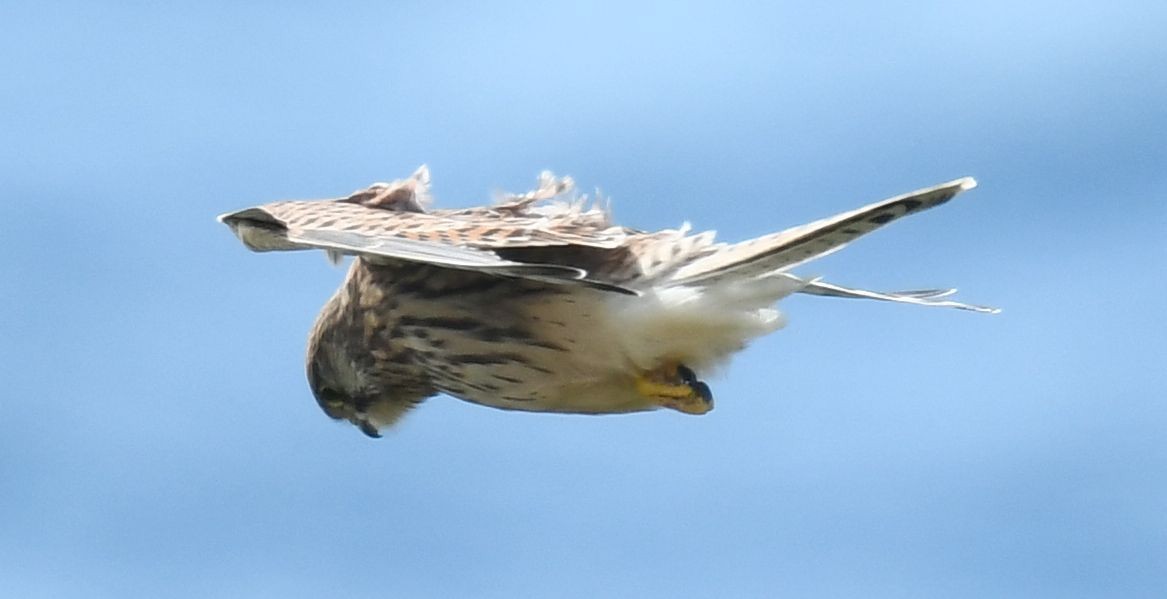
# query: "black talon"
[[700, 388], [703, 392]]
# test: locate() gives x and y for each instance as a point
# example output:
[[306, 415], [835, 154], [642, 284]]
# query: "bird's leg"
[[675, 386]]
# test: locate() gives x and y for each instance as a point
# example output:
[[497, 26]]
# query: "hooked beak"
[[367, 427]]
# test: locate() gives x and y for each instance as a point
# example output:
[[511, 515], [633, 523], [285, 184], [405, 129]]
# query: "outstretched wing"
[[457, 240], [789, 248]]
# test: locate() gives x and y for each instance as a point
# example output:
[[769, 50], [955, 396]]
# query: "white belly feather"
[[610, 339]]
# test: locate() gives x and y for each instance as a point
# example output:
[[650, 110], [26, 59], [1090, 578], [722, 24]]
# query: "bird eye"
[[332, 399]]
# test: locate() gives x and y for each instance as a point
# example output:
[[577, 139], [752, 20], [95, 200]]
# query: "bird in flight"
[[540, 302]]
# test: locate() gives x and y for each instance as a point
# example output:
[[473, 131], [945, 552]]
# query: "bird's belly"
[[601, 397], [554, 373], [546, 351]]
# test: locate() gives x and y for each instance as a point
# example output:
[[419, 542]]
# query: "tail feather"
[[921, 297], [926, 293], [789, 248]]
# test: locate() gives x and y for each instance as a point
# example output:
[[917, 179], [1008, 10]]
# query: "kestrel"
[[539, 302]]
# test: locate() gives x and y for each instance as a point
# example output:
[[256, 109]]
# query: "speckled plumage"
[[538, 302]]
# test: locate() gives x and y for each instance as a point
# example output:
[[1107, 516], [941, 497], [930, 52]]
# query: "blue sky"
[[157, 436]]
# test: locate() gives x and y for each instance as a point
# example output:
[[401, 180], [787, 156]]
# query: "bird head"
[[340, 390], [347, 383]]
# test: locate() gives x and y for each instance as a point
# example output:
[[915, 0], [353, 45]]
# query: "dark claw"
[[687, 375], [703, 392], [690, 378]]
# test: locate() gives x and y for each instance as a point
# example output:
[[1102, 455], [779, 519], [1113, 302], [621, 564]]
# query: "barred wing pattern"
[[548, 235]]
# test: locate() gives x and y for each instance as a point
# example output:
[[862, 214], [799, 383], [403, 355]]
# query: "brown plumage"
[[539, 302]]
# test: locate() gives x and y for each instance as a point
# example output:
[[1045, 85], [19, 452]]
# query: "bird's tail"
[[724, 295], [749, 265], [919, 297]]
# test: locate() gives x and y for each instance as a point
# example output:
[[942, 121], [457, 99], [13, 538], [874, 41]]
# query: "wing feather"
[[796, 245], [384, 235]]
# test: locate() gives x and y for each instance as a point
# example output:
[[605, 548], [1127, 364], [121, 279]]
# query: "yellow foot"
[[675, 387]]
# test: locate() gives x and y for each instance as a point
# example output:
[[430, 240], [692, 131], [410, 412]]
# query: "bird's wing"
[[919, 297], [447, 240], [785, 249]]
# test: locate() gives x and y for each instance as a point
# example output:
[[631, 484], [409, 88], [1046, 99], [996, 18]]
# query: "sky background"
[[157, 436]]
